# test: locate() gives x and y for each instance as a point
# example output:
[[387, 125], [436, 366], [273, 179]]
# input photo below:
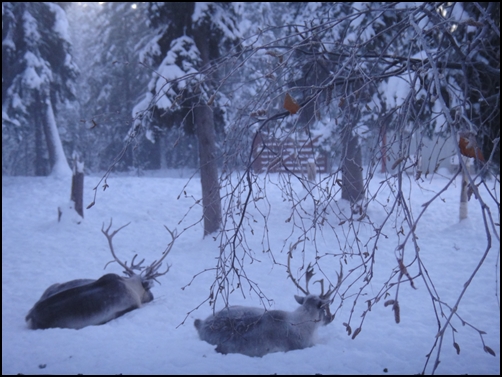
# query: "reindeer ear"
[[300, 299]]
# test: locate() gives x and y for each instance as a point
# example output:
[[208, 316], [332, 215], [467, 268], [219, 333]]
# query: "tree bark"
[[58, 163], [352, 172], [40, 152], [77, 186], [204, 124], [464, 197], [383, 147], [211, 200]]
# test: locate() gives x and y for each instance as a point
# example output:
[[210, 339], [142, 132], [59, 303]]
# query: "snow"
[[61, 169], [8, 43], [169, 70], [394, 91], [30, 27], [160, 338], [5, 116], [31, 77], [142, 105], [458, 14], [200, 11], [61, 22]]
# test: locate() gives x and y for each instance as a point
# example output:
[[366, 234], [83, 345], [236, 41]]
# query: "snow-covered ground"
[[160, 338]]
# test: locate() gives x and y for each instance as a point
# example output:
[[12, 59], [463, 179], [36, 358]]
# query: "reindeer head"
[[147, 274], [319, 302]]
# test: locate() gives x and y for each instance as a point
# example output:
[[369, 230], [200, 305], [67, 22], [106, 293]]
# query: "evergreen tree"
[[183, 91], [38, 76]]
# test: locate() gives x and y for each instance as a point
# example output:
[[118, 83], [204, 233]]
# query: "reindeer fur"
[[83, 302], [256, 332]]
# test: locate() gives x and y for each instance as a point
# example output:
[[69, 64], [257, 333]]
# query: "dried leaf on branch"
[[469, 146], [290, 104]]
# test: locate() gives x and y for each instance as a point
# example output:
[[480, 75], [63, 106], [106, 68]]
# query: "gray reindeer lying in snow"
[[256, 331], [83, 302]]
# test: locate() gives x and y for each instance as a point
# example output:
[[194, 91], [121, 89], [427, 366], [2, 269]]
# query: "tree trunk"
[[211, 200], [77, 186], [40, 152], [352, 171], [59, 164], [204, 124], [464, 197], [383, 148], [163, 147]]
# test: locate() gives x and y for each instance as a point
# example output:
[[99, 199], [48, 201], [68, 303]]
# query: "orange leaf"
[[290, 104], [469, 147]]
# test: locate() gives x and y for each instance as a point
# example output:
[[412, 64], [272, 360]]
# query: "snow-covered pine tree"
[[38, 75], [183, 91]]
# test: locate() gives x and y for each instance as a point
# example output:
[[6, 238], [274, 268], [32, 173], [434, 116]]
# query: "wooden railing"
[[288, 155]]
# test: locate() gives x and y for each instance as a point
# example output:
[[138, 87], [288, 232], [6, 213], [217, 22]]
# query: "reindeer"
[[83, 302], [256, 331]]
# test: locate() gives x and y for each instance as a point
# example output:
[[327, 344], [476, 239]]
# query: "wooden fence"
[[288, 155]]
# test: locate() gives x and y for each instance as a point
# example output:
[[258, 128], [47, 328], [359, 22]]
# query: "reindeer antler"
[[327, 295], [308, 274], [332, 288], [150, 273], [128, 270]]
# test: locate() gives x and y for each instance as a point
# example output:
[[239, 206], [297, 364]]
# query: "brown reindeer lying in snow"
[[83, 302]]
